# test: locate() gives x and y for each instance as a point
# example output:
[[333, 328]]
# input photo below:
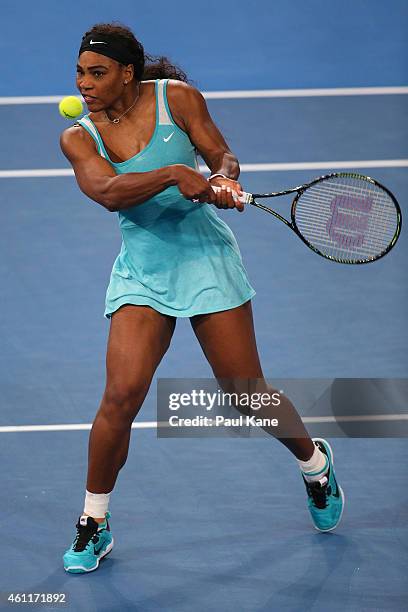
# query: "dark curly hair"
[[146, 66]]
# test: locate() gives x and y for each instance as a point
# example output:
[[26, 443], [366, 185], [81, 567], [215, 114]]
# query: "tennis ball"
[[70, 107]]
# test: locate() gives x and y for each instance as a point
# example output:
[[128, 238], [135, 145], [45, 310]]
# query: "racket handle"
[[245, 198]]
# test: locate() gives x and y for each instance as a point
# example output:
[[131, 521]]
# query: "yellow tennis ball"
[[70, 107]]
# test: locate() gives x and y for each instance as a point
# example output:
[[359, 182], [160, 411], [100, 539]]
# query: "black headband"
[[108, 45]]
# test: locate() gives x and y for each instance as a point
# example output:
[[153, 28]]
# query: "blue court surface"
[[205, 524]]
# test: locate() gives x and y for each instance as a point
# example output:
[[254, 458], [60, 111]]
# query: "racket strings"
[[387, 221], [348, 219]]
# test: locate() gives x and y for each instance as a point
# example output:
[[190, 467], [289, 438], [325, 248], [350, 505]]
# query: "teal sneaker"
[[325, 496], [91, 543]]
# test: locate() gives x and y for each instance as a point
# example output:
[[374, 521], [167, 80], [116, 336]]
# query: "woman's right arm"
[[98, 180]]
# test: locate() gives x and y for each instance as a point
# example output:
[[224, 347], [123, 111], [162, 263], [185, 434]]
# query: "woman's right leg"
[[138, 338]]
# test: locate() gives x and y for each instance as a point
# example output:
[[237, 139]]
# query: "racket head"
[[347, 217]]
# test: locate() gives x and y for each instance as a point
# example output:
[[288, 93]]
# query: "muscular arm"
[[190, 111], [98, 180]]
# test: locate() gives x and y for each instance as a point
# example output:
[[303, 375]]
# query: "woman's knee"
[[123, 400]]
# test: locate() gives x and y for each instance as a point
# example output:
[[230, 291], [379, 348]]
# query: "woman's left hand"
[[227, 196]]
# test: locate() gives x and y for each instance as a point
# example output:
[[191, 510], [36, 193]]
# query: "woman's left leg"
[[229, 344]]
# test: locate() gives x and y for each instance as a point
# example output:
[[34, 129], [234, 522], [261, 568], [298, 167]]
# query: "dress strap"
[[91, 129], [164, 118]]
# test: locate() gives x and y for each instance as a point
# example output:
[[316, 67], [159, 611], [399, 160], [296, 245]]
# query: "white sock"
[[96, 504], [316, 466]]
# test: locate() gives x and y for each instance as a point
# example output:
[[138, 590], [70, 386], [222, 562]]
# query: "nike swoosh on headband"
[[97, 42]]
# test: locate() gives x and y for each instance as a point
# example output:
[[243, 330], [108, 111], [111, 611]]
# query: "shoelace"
[[319, 492], [84, 535]]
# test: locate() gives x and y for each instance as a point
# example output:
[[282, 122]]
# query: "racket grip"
[[245, 198]]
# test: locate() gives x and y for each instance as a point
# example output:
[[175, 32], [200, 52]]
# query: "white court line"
[[356, 418], [305, 93], [251, 93], [75, 427], [41, 172], [267, 167], [154, 424], [324, 165]]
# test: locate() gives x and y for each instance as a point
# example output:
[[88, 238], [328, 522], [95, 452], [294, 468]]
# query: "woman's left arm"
[[190, 112]]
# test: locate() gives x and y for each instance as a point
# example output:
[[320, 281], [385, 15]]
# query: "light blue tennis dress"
[[176, 256]]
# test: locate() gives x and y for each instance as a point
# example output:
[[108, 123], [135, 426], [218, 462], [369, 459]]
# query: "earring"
[[125, 82]]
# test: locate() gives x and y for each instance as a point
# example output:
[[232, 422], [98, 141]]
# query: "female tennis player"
[[135, 154]]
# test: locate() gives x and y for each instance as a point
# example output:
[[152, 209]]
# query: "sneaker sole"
[[80, 569], [340, 489]]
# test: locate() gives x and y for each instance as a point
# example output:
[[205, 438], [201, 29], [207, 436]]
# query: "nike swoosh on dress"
[[168, 137]]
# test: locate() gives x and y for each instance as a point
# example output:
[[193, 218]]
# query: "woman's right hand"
[[192, 185]]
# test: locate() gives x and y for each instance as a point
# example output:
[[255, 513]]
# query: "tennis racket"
[[345, 217]]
